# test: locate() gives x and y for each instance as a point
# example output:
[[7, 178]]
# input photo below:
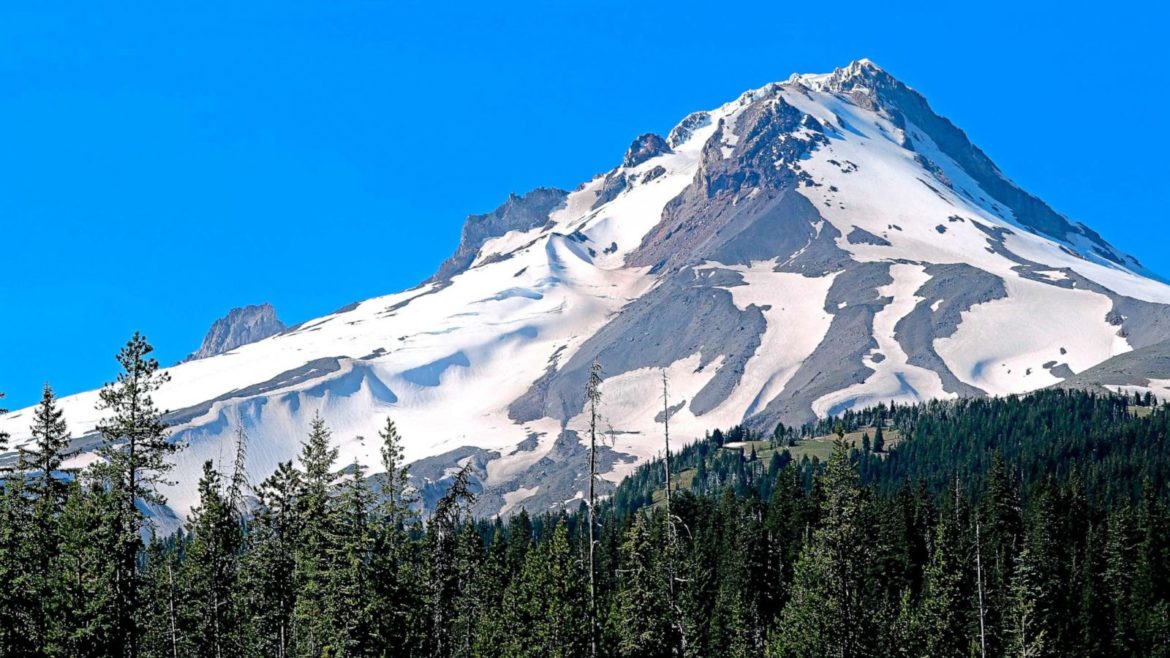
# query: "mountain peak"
[[859, 75], [240, 326], [643, 148]]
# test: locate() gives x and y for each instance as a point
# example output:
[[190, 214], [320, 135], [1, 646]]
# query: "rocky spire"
[[239, 327]]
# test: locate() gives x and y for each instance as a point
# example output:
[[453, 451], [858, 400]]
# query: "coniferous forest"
[[1022, 526]]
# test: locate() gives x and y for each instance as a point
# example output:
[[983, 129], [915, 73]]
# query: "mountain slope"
[[815, 245]]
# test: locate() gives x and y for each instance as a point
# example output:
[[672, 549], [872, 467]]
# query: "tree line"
[[1019, 526]]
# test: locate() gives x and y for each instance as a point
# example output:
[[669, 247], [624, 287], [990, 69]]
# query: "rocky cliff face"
[[519, 213], [239, 327]]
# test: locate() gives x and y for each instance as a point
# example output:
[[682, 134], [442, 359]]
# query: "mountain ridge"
[[812, 246]]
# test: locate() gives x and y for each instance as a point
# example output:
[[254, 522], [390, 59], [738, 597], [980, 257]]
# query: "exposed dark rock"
[[653, 173], [688, 313], [838, 362], [687, 127], [861, 236], [645, 147], [239, 327], [1134, 368], [951, 290], [518, 213], [614, 184]]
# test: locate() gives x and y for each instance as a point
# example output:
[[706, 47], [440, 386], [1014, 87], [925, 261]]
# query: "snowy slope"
[[813, 245]]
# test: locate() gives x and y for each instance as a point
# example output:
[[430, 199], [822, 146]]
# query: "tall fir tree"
[[396, 574], [42, 458], [351, 590], [269, 565], [40, 463], [826, 614], [313, 631], [211, 576], [134, 450], [644, 606], [445, 576]]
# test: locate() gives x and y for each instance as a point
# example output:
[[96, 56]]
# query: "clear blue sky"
[[163, 162]]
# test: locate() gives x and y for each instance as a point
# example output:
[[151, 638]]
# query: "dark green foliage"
[[1034, 526], [134, 450]]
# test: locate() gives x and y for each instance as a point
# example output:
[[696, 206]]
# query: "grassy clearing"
[[820, 447]]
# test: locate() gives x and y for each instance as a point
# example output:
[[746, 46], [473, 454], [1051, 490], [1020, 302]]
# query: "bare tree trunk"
[[671, 535], [174, 639], [593, 393]]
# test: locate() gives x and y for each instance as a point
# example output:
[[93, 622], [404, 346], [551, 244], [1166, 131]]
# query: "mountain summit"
[[812, 246]]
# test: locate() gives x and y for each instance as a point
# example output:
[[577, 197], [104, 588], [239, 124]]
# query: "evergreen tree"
[[21, 627], [1026, 636], [88, 621], [396, 574], [170, 621], [945, 594], [40, 463], [445, 575], [313, 631], [826, 614], [42, 459], [212, 570], [549, 601], [134, 450], [351, 604], [269, 592], [644, 606]]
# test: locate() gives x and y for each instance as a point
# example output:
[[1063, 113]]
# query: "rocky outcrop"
[[239, 327], [645, 147], [519, 213]]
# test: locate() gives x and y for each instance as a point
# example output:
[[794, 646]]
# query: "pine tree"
[[879, 438], [40, 463], [397, 495], [169, 620], [87, 623], [546, 603], [944, 597], [1026, 637], [351, 604], [21, 627], [644, 606], [269, 565], [313, 630], [395, 569], [826, 614], [212, 570], [135, 449], [43, 458], [445, 574]]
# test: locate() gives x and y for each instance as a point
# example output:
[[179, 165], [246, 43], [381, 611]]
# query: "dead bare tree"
[[593, 396]]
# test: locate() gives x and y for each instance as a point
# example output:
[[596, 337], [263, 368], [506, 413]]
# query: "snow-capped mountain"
[[818, 244]]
